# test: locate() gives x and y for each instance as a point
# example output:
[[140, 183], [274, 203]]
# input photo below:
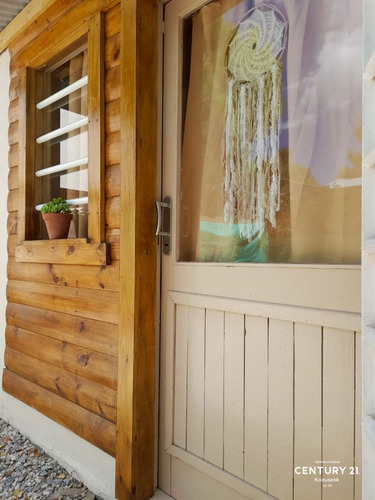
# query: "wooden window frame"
[[93, 250]]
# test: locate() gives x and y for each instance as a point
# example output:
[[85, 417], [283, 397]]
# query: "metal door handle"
[[163, 227], [159, 205]]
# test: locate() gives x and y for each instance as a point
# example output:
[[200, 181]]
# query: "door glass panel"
[[271, 132]]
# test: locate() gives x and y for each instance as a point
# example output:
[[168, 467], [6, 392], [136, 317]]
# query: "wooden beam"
[[96, 116], [137, 321], [23, 20], [32, 16]]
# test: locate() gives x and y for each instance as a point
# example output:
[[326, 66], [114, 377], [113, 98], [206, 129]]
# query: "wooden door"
[[260, 362]]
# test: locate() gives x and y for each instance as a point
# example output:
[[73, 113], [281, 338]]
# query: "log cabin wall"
[[62, 320]]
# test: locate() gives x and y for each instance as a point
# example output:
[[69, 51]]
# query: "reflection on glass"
[[73, 182], [271, 132]]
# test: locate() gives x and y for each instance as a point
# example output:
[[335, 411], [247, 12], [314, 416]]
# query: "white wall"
[[368, 260], [83, 460]]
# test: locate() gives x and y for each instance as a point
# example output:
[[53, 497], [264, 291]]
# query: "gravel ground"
[[27, 472]]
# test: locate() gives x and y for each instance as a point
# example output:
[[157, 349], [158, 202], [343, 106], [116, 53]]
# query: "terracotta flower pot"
[[57, 225]]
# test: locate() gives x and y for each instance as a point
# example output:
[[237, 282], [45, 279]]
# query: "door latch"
[[163, 228]]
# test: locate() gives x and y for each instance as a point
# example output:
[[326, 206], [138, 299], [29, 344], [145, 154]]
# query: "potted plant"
[[57, 217]]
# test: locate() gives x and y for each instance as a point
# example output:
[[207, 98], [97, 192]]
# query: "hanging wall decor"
[[253, 115]]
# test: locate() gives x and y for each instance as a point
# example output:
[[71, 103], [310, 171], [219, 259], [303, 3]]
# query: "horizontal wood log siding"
[[62, 333]]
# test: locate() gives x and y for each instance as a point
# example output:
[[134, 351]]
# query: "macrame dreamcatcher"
[[252, 127]]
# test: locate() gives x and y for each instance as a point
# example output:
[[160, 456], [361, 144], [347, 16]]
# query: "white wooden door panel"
[[195, 381], [338, 409], [280, 409], [261, 388], [307, 407], [181, 367], [233, 393], [260, 363], [256, 401], [358, 415], [214, 383]]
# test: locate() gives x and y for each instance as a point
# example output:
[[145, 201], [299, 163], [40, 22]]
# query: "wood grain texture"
[[13, 178], [22, 153], [11, 244], [13, 133], [12, 223], [12, 202], [256, 401], [308, 408], [98, 367], [53, 339], [112, 183], [29, 17], [96, 140], [339, 407], [13, 111], [98, 431], [80, 302], [180, 370], [30, 91], [113, 237], [70, 251], [112, 21], [112, 117], [113, 212], [112, 150], [280, 408], [13, 156], [13, 88], [112, 52], [234, 393], [214, 383], [86, 333], [195, 381], [92, 277], [45, 19], [58, 37], [112, 88], [86, 393], [139, 106]]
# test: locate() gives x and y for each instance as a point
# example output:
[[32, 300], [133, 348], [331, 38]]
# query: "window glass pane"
[[72, 183], [271, 132]]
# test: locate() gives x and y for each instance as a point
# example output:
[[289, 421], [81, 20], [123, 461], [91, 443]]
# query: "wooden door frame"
[[135, 461], [138, 263]]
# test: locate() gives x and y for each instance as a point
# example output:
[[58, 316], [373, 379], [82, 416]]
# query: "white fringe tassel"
[[251, 152]]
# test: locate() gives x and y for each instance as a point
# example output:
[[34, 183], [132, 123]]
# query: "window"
[[270, 166], [61, 148], [61, 157]]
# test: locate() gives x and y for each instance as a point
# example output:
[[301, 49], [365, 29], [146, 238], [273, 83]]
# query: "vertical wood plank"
[[338, 408], [181, 344], [30, 91], [234, 393], [22, 153], [137, 325], [214, 387], [167, 350], [308, 408], [280, 408], [256, 393], [358, 417], [195, 383], [96, 116]]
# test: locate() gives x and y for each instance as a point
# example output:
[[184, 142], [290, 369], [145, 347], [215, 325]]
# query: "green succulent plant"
[[57, 205]]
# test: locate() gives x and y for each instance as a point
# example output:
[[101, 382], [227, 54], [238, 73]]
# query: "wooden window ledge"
[[69, 251]]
